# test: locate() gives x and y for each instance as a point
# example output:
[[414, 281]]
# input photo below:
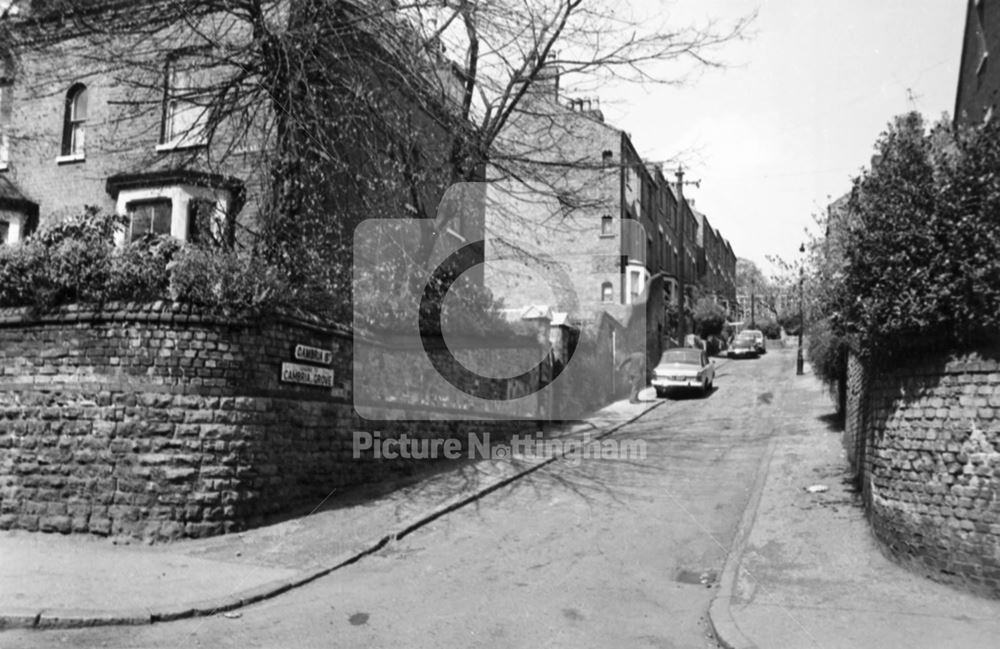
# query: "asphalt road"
[[597, 553]]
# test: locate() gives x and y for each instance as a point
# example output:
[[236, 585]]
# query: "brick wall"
[[854, 421], [157, 421], [931, 462]]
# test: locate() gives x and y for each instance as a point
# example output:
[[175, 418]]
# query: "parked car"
[[683, 367], [757, 336], [743, 347]]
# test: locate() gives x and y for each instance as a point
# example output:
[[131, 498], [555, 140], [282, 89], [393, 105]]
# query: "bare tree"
[[351, 109]]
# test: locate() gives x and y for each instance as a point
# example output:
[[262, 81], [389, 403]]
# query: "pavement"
[[55, 581], [805, 571]]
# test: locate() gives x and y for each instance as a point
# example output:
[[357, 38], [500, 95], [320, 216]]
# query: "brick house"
[[978, 92], [76, 130], [70, 143]]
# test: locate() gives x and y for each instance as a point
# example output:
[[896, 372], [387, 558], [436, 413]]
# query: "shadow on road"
[[833, 421], [690, 395]]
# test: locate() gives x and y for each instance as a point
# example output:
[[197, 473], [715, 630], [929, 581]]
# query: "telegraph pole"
[[683, 253], [798, 357]]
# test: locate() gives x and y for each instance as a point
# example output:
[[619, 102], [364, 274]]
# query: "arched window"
[[74, 122], [607, 292]]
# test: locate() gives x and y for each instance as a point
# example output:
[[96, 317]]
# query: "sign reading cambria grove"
[[306, 374]]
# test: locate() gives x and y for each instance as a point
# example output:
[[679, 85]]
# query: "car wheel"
[[661, 393]]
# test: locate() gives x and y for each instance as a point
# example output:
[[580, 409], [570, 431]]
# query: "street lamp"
[[802, 325]]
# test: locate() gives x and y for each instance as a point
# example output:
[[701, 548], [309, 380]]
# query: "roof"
[[12, 198], [10, 191], [537, 312]]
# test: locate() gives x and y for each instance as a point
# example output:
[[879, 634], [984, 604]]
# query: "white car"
[[683, 367]]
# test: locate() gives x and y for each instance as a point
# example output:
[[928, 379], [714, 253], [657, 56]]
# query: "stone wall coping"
[[972, 362], [168, 312], [160, 311]]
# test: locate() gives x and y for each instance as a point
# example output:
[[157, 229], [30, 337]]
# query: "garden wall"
[[931, 461], [159, 421]]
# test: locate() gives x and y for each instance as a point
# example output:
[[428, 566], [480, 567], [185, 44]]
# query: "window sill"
[[178, 146], [607, 236], [71, 159]]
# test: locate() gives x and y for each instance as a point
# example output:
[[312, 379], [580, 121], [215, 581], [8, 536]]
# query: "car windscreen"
[[689, 356]]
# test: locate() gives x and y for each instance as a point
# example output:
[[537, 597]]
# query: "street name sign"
[[306, 374], [313, 354]]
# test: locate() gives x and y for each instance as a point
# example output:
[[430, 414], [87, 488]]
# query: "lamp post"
[[798, 356]]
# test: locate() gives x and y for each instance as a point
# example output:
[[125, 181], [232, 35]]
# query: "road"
[[598, 553]]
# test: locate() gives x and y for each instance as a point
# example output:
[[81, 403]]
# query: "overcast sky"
[[778, 134]]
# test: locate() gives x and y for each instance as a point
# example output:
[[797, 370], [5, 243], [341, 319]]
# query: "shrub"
[[709, 318], [69, 261], [790, 323], [923, 247], [76, 261], [227, 281], [827, 353], [22, 270], [770, 328], [139, 271]]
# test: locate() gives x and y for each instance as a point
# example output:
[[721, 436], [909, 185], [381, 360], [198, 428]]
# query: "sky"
[[779, 133]]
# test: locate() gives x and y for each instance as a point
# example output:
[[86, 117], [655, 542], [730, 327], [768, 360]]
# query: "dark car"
[[743, 347], [757, 336]]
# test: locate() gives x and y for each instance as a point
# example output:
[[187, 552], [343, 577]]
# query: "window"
[[74, 122], [149, 217], [4, 121], [178, 204], [200, 212], [607, 292], [4, 232], [185, 112], [607, 157], [607, 226], [6, 87], [208, 224], [636, 284]]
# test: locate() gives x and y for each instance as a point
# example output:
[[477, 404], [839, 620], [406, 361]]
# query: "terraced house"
[[614, 232]]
